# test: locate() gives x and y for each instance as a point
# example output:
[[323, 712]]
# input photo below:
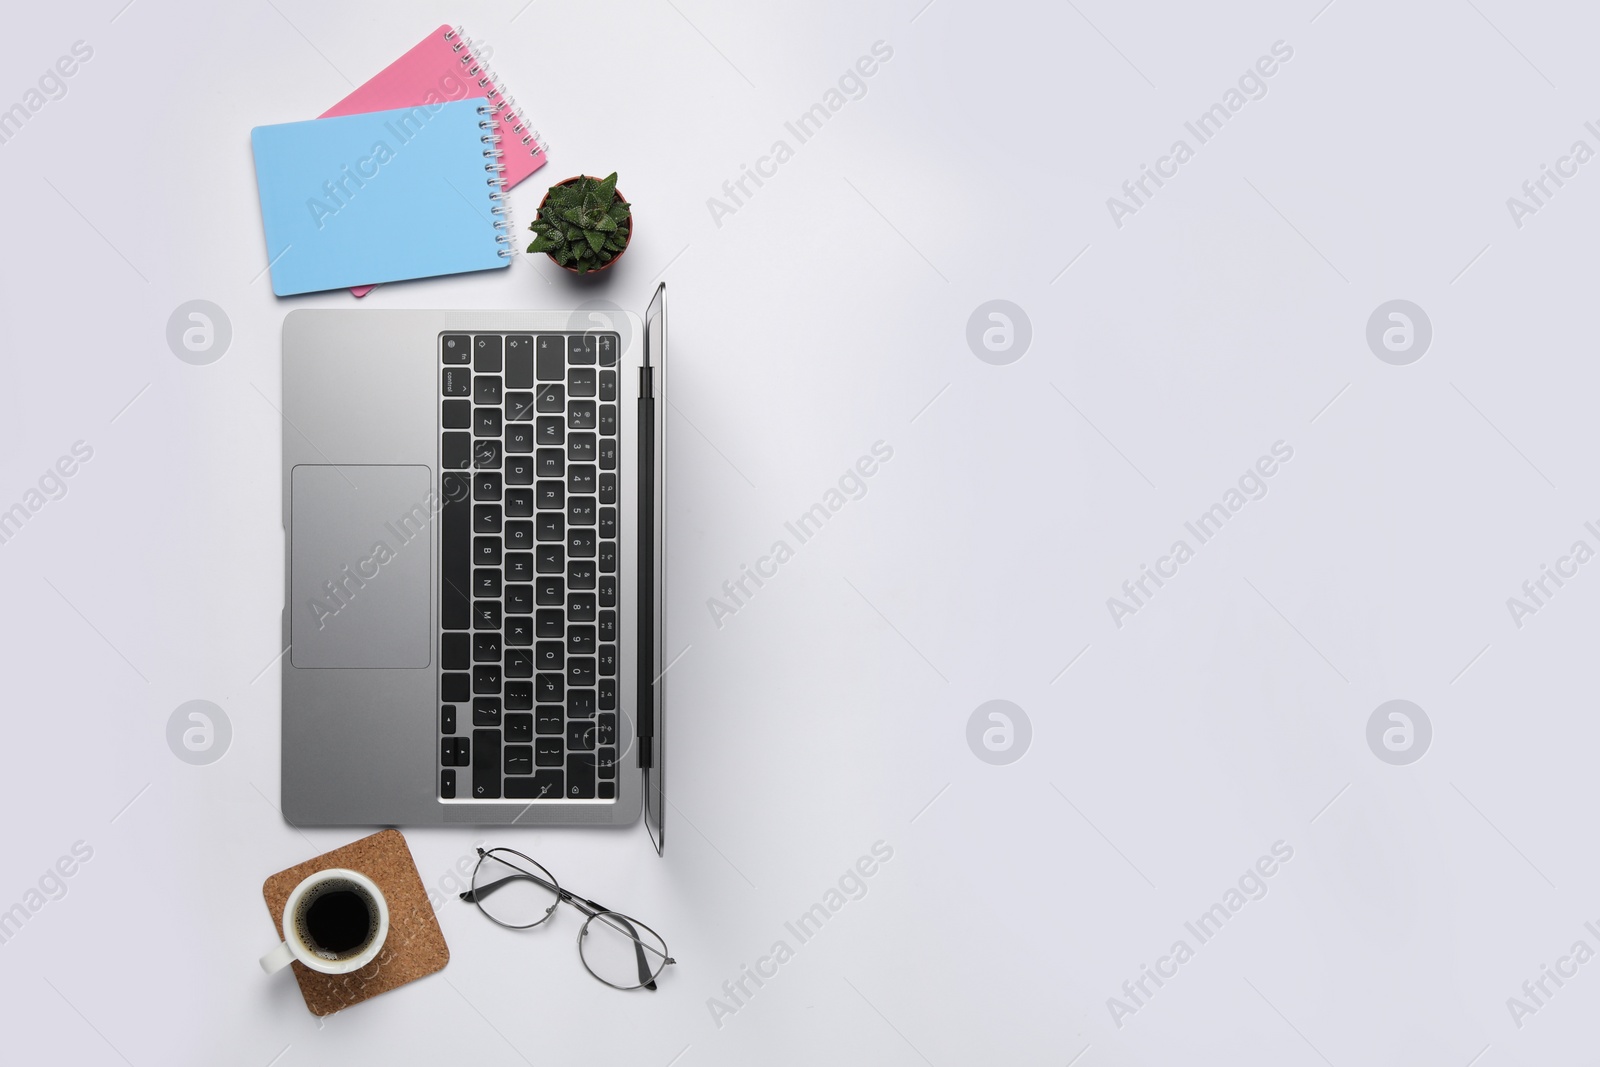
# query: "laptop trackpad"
[[360, 565]]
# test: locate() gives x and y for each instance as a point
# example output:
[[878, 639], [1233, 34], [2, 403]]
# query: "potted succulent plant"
[[584, 224]]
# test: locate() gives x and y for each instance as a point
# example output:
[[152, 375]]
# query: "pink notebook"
[[447, 66]]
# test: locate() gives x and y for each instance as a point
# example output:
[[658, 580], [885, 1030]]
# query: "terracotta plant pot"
[[612, 261]]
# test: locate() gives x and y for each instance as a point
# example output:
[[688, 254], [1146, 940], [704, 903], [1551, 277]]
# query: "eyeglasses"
[[517, 892]]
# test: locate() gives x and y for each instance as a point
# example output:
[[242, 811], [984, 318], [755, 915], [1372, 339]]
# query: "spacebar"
[[455, 552]]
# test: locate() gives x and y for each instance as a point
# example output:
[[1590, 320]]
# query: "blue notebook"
[[381, 197]]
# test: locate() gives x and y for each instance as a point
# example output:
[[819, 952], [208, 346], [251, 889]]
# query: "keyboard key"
[[519, 759], [519, 599], [456, 414], [581, 447], [580, 704], [580, 607], [485, 679], [447, 785], [550, 462], [455, 652], [551, 494], [519, 567], [608, 385], [454, 348], [519, 632], [519, 408], [608, 453], [580, 671], [550, 622], [580, 478], [486, 580], [519, 696], [519, 727], [606, 762], [607, 791], [606, 556], [541, 785], [447, 718], [608, 420], [519, 442], [547, 656], [485, 615], [608, 592], [455, 688], [486, 519], [549, 686], [519, 361], [519, 534], [519, 470], [486, 389], [606, 345], [580, 381], [581, 415], [547, 751], [486, 486], [456, 451], [580, 511], [607, 526], [486, 351], [580, 776], [455, 552], [607, 661], [548, 430], [580, 641], [607, 690], [580, 543], [486, 551], [580, 737], [519, 502], [486, 711], [552, 559], [580, 348], [552, 357], [606, 730], [548, 722], [608, 489], [519, 663], [456, 381], [608, 626], [486, 422], [486, 454], [552, 399], [486, 764], [552, 525], [581, 574], [547, 591], [486, 648]]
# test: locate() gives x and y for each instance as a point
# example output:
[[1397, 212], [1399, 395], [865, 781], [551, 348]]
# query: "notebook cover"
[[380, 197], [415, 947], [446, 66]]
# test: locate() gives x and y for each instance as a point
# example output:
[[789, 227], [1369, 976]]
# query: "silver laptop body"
[[365, 499]]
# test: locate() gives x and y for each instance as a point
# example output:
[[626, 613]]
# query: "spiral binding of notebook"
[[500, 207], [502, 106]]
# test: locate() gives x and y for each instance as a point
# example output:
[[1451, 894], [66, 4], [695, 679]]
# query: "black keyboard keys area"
[[529, 447]]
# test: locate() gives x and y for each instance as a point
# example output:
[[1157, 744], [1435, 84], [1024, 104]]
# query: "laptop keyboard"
[[528, 566]]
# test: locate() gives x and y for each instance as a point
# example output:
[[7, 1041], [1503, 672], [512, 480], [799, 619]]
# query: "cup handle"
[[277, 959]]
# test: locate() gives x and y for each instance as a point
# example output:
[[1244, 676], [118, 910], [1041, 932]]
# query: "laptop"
[[473, 507]]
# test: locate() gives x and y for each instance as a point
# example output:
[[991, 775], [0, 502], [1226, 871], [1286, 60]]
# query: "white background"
[[825, 314]]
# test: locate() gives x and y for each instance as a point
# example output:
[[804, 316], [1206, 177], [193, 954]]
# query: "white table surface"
[[827, 313]]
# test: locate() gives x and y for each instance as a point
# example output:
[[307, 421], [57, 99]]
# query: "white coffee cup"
[[299, 944]]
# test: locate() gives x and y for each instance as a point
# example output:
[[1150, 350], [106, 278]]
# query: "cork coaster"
[[415, 946]]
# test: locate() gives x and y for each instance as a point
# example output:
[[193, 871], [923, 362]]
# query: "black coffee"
[[338, 921]]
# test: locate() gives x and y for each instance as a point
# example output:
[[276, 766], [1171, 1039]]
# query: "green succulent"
[[583, 224]]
